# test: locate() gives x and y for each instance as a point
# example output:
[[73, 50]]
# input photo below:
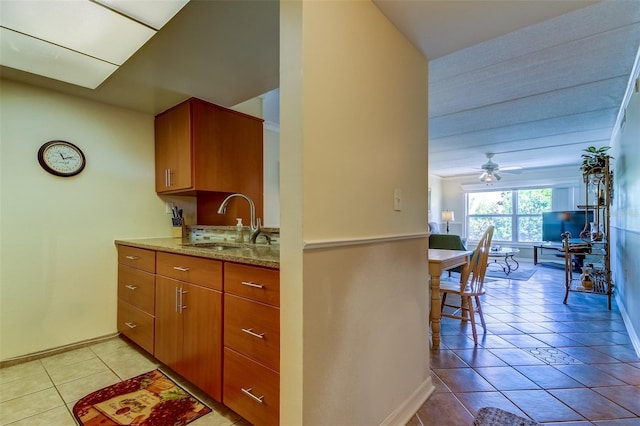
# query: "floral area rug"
[[150, 399]]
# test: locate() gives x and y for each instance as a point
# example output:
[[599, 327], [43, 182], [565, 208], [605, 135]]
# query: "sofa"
[[447, 241]]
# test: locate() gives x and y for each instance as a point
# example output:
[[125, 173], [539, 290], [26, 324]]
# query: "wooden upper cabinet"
[[174, 149], [202, 147]]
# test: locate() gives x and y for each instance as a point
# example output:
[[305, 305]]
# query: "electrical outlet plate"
[[168, 207]]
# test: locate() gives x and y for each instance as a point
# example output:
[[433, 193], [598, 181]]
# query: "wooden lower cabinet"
[[137, 325], [172, 305], [251, 389], [136, 295], [252, 342], [188, 332]]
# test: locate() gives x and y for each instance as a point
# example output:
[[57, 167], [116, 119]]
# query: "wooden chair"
[[470, 287]]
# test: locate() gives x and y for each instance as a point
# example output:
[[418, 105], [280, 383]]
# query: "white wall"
[[435, 185], [267, 107], [58, 260], [625, 220], [353, 107], [566, 181]]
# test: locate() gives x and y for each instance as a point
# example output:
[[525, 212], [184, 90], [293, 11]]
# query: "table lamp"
[[447, 216]]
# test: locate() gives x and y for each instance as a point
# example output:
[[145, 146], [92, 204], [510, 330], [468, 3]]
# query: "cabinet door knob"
[[250, 284], [250, 394]]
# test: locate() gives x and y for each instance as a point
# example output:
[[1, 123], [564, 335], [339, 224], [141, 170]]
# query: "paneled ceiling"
[[532, 81], [534, 96]]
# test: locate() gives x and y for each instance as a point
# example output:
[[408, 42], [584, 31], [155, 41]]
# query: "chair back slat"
[[472, 278]]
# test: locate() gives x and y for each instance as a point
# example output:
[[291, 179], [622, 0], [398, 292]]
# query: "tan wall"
[[353, 128], [57, 256]]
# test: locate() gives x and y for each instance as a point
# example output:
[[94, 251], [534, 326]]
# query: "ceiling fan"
[[490, 171]]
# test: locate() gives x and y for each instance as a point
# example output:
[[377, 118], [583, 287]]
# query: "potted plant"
[[594, 157]]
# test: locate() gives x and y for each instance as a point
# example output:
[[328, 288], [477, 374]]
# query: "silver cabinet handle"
[[130, 325], [254, 334], [131, 287], [180, 268], [132, 257], [255, 398], [167, 178], [250, 284], [177, 300], [182, 305]]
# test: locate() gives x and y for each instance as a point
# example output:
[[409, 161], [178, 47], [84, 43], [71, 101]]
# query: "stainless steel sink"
[[213, 246]]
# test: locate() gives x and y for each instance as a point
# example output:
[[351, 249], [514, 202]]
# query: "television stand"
[[545, 246]]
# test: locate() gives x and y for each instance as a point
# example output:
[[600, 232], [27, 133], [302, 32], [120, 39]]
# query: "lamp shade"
[[447, 216]]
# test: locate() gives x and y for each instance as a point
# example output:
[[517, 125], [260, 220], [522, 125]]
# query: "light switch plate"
[[397, 200]]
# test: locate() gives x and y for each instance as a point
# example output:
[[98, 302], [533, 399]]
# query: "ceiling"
[[532, 81], [545, 79], [222, 51]]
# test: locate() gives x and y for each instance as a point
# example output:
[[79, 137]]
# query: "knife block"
[[179, 231]]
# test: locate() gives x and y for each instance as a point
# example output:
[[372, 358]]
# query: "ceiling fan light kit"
[[490, 171]]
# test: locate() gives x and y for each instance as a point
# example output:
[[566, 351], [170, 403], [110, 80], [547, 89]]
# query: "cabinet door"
[[252, 329], [202, 344], [195, 270], [168, 341], [137, 288], [251, 389], [136, 325], [173, 149]]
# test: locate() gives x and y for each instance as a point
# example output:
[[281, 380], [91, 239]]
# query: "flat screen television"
[[556, 223]]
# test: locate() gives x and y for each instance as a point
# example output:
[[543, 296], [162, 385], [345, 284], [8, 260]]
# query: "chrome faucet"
[[255, 225]]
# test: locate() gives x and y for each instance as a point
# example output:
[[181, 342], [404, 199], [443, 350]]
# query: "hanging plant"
[[594, 157]]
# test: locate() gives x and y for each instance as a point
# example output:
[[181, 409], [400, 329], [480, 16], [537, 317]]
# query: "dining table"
[[441, 260]]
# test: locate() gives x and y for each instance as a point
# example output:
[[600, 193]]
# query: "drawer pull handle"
[[180, 268], [132, 257], [130, 325], [255, 398], [250, 284], [254, 334], [131, 287]]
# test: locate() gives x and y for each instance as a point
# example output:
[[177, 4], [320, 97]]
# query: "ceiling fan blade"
[[511, 171]]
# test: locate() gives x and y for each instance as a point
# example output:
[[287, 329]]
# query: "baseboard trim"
[[321, 244], [54, 351], [402, 414], [632, 332]]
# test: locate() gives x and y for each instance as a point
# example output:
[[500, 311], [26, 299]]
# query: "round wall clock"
[[61, 158]]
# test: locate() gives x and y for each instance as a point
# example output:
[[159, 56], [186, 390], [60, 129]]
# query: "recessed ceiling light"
[[61, 31], [30, 54]]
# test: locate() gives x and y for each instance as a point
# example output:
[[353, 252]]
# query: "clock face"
[[61, 158]]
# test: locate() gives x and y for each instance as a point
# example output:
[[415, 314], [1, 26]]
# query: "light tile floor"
[[43, 392], [556, 364]]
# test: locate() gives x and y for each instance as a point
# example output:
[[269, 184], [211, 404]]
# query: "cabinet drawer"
[[253, 282], [243, 376], [196, 270], [137, 288], [137, 258], [252, 329], [136, 325]]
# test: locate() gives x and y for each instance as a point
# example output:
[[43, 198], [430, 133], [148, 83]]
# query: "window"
[[516, 214]]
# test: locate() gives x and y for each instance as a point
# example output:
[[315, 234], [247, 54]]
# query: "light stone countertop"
[[267, 256]]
